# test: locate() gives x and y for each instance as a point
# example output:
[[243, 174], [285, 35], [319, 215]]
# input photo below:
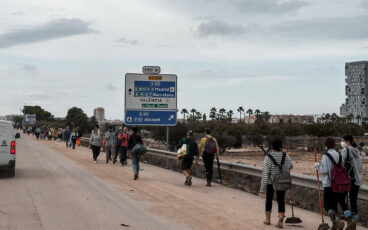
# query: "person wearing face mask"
[[353, 166]]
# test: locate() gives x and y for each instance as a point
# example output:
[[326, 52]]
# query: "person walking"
[[330, 197], [191, 150], [123, 148], [73, 137], [67, 134], [209, 150], [95, 143], [270, 169], [37, 132], [353, 166], [110, 142], [79, 135], [136, 149]]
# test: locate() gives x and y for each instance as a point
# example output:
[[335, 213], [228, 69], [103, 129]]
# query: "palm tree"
[[230, 115], [222, 112], [240, 110], [250, 113], [349, 117], [184, 112], [193, 111], [328, 117], [266, 116], [198, 115], [213, 113], [358, 117]]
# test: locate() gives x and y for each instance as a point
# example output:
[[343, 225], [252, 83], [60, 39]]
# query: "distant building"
[[285, 118], [343, 110], [355, 90], [99, 114]]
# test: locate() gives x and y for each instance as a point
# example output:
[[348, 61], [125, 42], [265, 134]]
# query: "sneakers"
[[114, 161], [135, 176], [351, 223], [336, 223], [188, 181], [95, 162]]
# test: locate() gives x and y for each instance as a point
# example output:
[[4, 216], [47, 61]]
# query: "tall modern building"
[[99, 114], [356, 89]]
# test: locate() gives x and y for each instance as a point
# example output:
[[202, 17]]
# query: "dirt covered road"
[[60, 188]]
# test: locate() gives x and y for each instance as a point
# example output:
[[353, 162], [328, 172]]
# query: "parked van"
[[7, 147]]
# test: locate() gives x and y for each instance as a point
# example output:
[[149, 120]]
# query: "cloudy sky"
[[283, 56]]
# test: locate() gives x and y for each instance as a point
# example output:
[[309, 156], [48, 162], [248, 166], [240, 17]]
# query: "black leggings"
[[208, 164], [96, 152], [353, 195], [280, 199], [331, 199]]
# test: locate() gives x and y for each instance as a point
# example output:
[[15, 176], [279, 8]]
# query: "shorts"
[[186, 163]]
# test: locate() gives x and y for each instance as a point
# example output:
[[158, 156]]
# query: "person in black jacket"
[[187, 159], [133, 141]]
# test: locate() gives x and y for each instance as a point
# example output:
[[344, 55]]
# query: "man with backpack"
[[276, 178], [336, 183], [209, 149], [188, 148]]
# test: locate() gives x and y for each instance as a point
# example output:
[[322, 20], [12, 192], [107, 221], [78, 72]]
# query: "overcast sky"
[[276, 55]]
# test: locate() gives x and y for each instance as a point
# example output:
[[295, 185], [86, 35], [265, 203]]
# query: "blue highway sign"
[[150, 117]]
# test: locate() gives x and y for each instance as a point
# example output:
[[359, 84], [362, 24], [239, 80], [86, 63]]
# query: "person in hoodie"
[[353, 166], [331, 198]]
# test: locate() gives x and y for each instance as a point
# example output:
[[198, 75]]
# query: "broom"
[[292, 219], [323, 225]]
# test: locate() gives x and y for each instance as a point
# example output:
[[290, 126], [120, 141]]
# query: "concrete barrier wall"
[[248, 178]]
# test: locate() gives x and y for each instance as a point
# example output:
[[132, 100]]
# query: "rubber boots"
[[280, 223], [267, 218], [351, 223]]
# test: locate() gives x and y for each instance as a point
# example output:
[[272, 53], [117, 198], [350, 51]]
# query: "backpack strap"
[[340, 158], [348, 154], [283, 159], [331, 158], [274, 161]]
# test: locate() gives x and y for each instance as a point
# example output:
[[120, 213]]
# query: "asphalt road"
[[60, 188]]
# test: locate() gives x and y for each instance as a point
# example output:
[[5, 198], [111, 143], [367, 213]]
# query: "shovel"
[[292, 219]]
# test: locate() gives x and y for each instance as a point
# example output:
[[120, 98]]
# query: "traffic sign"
[[150, 92], [151, 69], [145, 117], [151, 98]]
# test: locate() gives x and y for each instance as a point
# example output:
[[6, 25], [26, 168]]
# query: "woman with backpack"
[[353, 166], [274, 163], [330, 166]]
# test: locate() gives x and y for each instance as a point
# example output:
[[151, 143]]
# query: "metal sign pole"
[[167, 138]]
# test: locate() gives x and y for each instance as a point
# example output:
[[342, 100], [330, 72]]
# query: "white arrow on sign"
[[171, 117]]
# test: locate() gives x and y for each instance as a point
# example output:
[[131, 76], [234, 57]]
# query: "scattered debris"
[[125, 225]]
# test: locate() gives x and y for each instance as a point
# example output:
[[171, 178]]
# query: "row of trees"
[[218, 114], [75, 118]]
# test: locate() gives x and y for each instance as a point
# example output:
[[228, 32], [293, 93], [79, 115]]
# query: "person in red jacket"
[[124, 138]]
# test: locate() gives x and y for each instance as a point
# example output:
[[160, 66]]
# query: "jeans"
[[208, 164], [123, 154], [96, 151], [280, 199], [353, 194], [67, 142], [331, 199], [109, 151], [135, 162]]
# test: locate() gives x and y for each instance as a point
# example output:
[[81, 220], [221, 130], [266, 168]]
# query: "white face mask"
[[343, 144]]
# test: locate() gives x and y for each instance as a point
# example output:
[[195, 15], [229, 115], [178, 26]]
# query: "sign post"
[[151, 98]]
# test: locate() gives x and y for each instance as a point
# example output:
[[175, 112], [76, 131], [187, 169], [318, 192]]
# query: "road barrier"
[[248, 178]]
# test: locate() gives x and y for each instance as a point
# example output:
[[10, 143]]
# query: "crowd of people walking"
[[341, 171]]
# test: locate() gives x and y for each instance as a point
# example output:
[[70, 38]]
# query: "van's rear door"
[[6, 134]]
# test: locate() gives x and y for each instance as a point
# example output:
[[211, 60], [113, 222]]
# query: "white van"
[[7, 147]]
